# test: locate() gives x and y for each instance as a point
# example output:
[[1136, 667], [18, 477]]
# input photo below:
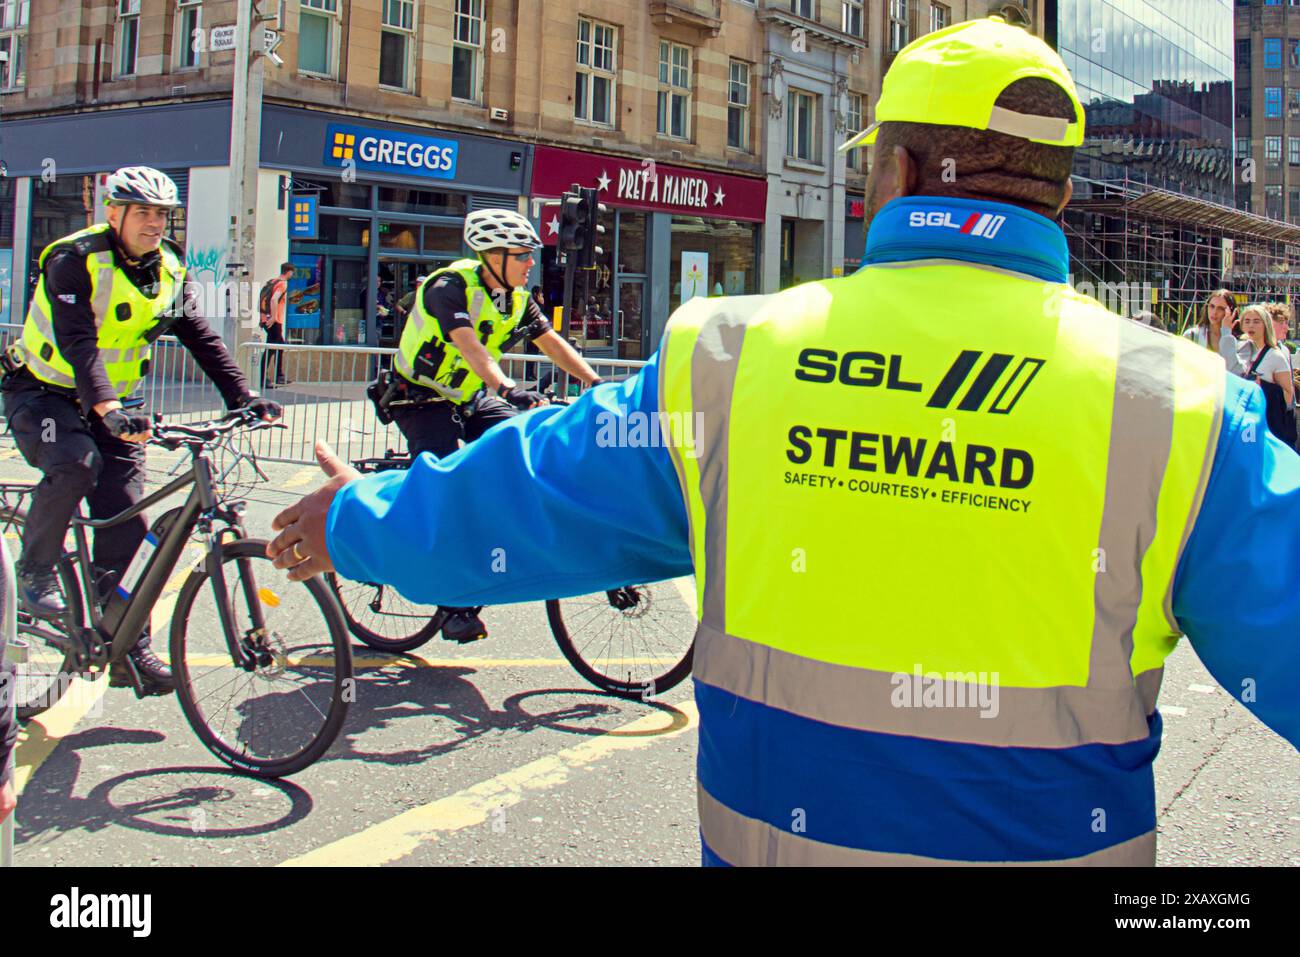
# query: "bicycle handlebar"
[[174, 436]]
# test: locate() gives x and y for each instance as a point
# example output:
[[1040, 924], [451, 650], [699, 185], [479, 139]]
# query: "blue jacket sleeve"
[[558, 501], [1237, 589]]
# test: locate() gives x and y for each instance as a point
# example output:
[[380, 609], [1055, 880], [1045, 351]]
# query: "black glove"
[[522, 398], [264, 408], [119, 422]]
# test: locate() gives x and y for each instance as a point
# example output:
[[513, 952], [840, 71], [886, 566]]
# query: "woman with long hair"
[[1268, 366], [1219, 305]]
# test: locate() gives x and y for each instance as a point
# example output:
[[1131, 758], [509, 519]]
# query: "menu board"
[[306, 293]]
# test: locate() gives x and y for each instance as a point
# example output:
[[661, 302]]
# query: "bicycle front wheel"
[[281, 711], [381, 617], [635, 642]]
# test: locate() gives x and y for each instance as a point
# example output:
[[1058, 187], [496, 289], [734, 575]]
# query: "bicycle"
[[644, 626], [240, 632]]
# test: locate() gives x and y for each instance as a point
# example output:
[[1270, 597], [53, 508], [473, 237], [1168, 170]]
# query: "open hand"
[[300, 547]]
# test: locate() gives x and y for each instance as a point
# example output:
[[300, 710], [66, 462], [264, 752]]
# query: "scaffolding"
[[1137, 248]]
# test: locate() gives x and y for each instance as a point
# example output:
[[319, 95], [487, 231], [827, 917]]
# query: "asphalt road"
[[498, 753]]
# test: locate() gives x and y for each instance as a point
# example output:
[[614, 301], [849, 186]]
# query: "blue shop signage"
[[386, 151]]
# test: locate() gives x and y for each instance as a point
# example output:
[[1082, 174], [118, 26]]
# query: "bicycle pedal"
[[465, 641]]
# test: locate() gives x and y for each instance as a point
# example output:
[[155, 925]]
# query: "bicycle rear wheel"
[[635, 642], [381, 617], [282, 713], [46, 669]]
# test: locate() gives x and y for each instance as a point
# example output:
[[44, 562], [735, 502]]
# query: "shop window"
[[443, 240], [187, 35], [60, 207], [854, 122], [1273, 102], [403, 199], [801, 139], [595, 85], [333, 192], [128, 36], [467, 50], [851, 17], [13, 43], [344, 231], [940, 17], [6, 212], [631, 242], [898, 30], [674, 90], [712, 257], [738, 106], [318, 32], [1272, 53], [397, 44], [403, 236]]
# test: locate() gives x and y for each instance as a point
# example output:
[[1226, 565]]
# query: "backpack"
[[264, 301]]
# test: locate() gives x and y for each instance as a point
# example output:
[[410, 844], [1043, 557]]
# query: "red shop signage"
[[646, 184]]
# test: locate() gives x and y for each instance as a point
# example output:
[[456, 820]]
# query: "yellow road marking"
[[43, 734], [215, 661], [398, 837], [302, 477]]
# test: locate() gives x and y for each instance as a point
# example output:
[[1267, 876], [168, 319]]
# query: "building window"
[[1273, 150], [1293, 150], [1243, 147], [1243, 54], [897, 25], [1272, 53], [738, 106], [1293, 209], [128, 35], [854, 122], [1273, 102], [674, 90], [940, 17], [187, 38], [851, 18], [596, 83], [467, 51], [1273, 202], [13, 43], [396, 44], [318, 31], [1295, 53], [801, 139], [803, 8]]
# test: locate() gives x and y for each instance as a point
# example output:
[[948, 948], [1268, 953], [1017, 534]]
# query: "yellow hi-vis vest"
[[452, 378], [991, 494], [124, 315]]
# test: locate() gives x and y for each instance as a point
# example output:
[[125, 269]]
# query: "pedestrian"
[[272, 319], [1269, 365], [939, 565], [1220, 305]]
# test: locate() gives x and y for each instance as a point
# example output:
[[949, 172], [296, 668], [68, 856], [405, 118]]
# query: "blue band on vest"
[[975, 231]]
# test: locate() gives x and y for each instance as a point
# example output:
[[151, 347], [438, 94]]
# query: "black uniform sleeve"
[[8, 725], [208, 350], [446, 300], [67, 285], [538, 324]]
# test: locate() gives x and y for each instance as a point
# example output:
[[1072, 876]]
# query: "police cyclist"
[[104, 295], [462, 319]]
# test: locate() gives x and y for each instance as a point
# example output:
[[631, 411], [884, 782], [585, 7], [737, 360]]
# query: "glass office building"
[[1156, 83]]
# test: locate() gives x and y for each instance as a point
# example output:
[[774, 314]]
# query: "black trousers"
[[273, 357], [438, 427], [79, 459]]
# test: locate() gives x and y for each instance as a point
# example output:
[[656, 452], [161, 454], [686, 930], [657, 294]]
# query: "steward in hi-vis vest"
[[72, 383], [947, 517], [448, 387]]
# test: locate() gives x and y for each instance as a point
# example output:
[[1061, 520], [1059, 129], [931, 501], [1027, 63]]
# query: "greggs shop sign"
[[645, 184], [387, 151]]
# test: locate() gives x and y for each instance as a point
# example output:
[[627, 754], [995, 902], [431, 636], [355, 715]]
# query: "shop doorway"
[[397, 278]]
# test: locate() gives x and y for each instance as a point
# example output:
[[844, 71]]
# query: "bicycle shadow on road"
[[48, 808], [418, 689]]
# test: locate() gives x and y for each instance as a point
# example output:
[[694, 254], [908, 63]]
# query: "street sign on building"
[[222, 38]]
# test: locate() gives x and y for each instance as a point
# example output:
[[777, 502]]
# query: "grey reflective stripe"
[[44, 371], [476, 306], [103, 296], [124, 355], [889, 702], [1141, 435], [747, 842]]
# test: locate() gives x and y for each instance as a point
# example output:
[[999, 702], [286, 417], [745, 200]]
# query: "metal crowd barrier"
[[325, 397], [13, 651]]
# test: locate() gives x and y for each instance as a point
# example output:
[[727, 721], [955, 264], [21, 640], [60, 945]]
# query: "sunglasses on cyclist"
[[520, 257]]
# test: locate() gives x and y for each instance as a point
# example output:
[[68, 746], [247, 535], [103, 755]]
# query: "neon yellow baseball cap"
[[953, 77]]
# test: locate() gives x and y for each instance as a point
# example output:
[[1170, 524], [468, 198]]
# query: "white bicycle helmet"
[[141, 186], [498, 229]]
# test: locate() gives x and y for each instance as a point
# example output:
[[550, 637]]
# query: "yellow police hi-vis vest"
[[123, 314], [426, 358], [935, 514]]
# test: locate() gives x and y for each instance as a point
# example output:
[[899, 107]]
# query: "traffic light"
[[592, 208], [572, 223]]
